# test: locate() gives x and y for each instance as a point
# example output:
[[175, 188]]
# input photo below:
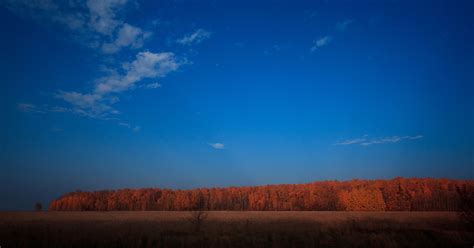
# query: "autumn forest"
[[399, 194]]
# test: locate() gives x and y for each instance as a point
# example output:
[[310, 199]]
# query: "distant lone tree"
[[197, 218], [198, 215], [38, 206], [466, 205]]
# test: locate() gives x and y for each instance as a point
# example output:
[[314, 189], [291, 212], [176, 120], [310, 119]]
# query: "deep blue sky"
[[181, 94]]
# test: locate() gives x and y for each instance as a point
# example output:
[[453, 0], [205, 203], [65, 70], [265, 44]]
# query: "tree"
[[197, 218], [362, 199], [38, 206], [466, 205]]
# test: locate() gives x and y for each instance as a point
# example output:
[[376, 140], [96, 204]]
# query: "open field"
[[425, 219], [234, 229]]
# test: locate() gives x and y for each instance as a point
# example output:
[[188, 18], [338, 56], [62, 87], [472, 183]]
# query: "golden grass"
[[234, 229]]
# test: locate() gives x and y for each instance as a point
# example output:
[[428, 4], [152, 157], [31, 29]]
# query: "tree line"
[[399, 194]]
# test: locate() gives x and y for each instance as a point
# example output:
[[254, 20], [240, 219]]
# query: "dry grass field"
[[234, 229]]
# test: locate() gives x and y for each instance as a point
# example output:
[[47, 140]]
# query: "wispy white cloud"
[[88, 105], [129, 126], [103, 15], [96, 23], [123, 124], [342, 26], [194, 38], [365, 141], [351, 141], [145, 65], [128, 36], [151, 86], [323, 41], [217, 145], [98, 103], [30, 108], [42, 109], [99, 24]]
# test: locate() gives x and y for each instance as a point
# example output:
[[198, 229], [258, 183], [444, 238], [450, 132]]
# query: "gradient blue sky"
[[181, 94]]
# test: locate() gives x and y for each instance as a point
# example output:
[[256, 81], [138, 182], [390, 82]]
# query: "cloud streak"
[[128, 36], [98, 102], [323, 41], [95, 23], [151, 86], [30, 108], [100, 25], [43, 109], [342, 26], [218, 146], [196, 37], [127, 125], [365, 141]]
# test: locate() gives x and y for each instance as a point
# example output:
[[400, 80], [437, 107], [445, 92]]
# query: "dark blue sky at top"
[[259, 92]]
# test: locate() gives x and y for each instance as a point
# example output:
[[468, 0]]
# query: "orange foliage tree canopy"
[[398, 194]]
